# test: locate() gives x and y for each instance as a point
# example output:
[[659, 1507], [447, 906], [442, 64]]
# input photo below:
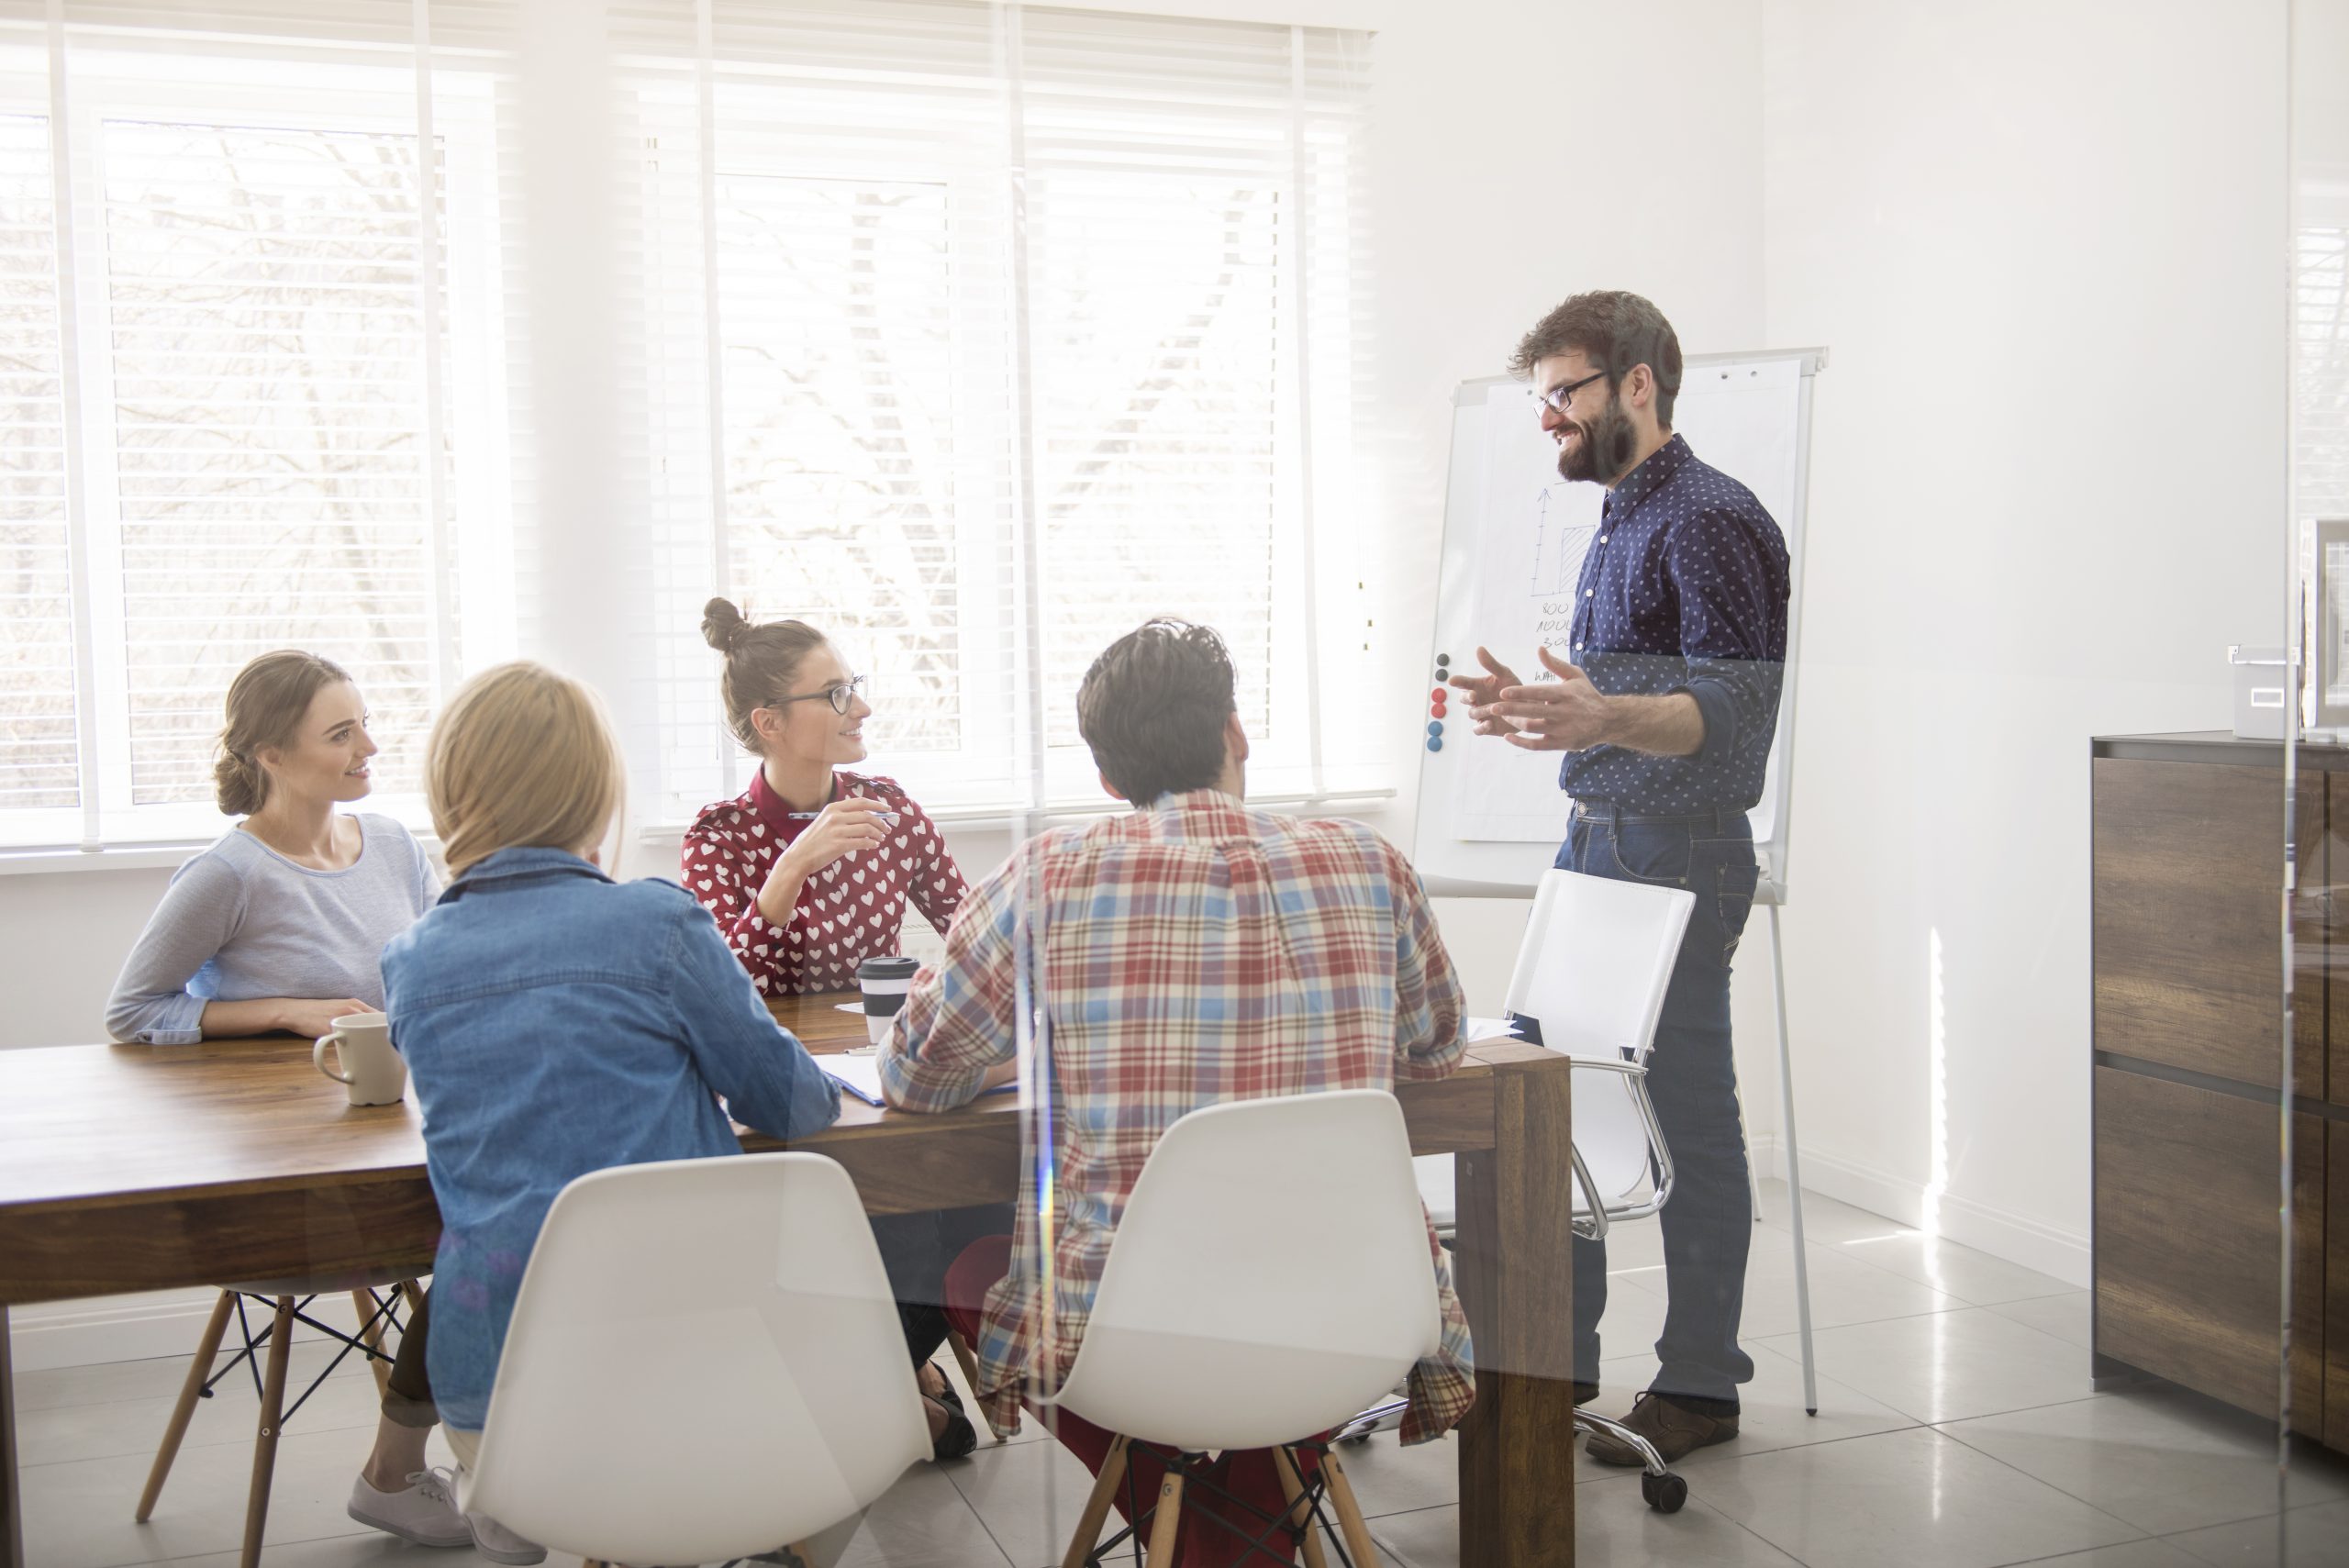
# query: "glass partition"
[[2315, 1116]]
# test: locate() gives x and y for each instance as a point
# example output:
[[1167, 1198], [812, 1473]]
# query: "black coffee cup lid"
[[887, 968]]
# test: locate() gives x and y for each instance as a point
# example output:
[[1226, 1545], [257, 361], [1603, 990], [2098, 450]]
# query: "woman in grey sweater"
[[281, 926]]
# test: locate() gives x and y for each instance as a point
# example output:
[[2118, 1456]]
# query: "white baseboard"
[[2017, 1238], [134, 1327]]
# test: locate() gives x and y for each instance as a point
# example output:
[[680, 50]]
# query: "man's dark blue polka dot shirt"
[[1684, 590]]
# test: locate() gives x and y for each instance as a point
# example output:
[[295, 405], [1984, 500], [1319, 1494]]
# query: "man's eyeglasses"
[[1557, 397], [840, 695]]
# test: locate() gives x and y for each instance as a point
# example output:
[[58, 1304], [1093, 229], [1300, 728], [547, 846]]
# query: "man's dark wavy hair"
[[1153, 705], [1616, 330]]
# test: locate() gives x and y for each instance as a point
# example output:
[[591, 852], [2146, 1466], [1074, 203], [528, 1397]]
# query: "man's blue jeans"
[[1709, 1221]]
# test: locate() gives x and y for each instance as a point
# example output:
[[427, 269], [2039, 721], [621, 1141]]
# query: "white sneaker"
[[424, 1512], [497, 1543]]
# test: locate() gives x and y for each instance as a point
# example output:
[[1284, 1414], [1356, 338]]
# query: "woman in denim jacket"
[[554, 1021]]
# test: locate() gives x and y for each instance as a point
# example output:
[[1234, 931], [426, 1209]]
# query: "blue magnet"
[[1435, 727], [1435, 742]]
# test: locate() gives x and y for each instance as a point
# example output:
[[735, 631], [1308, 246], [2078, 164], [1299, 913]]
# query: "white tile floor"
[[1956, 1429]]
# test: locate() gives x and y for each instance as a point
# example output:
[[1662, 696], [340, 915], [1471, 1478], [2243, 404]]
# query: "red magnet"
[[1436, 695], [1436, 707]]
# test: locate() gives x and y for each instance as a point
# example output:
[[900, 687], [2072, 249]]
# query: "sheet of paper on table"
[[860, 1074], [1481, 1030]]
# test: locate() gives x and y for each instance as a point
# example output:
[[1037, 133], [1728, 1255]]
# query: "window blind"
[[1015, 318], [268, 425], [39, 751], [971, 332], [857, 244]]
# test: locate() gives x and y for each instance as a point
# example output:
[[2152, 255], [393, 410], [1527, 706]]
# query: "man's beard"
[[1606, 446]]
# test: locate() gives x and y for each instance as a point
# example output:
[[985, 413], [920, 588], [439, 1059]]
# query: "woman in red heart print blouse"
[[809, 870]]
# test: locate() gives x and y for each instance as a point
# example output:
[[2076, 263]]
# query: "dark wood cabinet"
[[2319, 907], [2310, 1162], [2335, 1351], [2187, 1261], [2188, 924], [2189, 927]]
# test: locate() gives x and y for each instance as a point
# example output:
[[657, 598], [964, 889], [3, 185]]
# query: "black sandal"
[[958, 1436]]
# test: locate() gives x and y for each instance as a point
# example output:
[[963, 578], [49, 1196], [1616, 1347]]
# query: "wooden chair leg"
[[1342, 1497], [191, 1390], [1300, 1513], [1170, 1515], [970, 1365], [963, 1359], [1097, 1505], [273, 1404], [414, 1293], [371, 1334]]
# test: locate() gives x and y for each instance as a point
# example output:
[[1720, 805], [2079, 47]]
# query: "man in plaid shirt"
[[1192, 952]]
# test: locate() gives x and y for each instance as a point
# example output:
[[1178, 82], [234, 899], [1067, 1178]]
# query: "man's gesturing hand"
[[1568, 714], [1484, 691]]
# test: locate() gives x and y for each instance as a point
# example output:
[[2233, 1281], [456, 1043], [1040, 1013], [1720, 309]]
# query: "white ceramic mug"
[[371, 1068]]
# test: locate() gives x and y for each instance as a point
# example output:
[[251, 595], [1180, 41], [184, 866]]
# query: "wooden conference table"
[[131, 1168]]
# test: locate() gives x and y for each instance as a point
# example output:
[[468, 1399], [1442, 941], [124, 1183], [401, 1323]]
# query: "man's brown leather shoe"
[[1672, 1427]]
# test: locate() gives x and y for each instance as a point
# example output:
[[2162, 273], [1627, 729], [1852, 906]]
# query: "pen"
[[888, 816]]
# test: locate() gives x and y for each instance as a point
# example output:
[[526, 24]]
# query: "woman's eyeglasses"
[[840, 695]]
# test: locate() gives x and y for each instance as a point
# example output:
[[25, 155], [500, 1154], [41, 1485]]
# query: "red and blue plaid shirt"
[[1194, 953]]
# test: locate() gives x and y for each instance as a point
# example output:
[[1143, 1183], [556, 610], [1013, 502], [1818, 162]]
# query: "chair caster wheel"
[[1663, 1493]]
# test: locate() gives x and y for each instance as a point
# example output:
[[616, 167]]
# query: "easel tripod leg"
[[1794, 1165]]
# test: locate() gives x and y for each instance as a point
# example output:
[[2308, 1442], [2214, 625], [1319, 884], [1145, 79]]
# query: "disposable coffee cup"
[[365, 1061], [884, 981]]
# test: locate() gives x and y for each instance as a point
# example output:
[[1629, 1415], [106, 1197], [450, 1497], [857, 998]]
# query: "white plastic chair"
[[1593, 969], [1218, 1325], [705, 1363]]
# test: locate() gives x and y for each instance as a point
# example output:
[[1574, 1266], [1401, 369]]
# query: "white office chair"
[[1218, 1323], [704, 1363], [1593, 969]]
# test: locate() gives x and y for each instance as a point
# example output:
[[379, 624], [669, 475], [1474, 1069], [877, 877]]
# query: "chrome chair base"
[[1664, 1491]]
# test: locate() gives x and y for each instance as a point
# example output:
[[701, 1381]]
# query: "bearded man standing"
[[1665, 702]]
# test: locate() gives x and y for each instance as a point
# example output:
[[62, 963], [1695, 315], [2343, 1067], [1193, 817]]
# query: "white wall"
[[1513, 167], [2046, 249]]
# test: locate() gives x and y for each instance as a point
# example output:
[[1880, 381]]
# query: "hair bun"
[[723, 625]]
